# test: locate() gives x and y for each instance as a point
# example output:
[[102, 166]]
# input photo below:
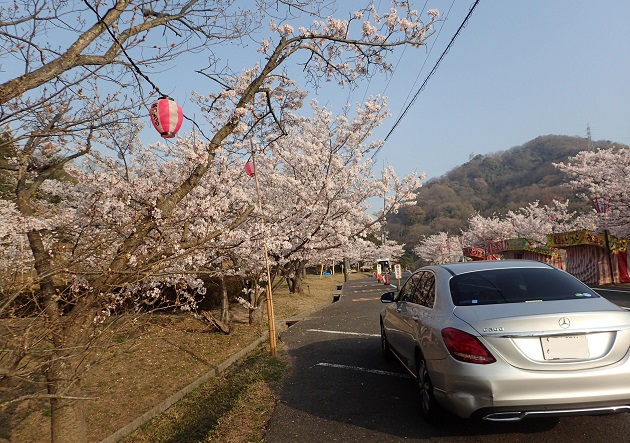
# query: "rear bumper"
[[500, 392], [512, 415]]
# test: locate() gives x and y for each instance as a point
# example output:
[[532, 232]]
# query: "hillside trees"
[[494, 183], [135, 217]]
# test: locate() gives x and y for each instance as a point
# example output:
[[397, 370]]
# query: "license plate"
[[564, 347]]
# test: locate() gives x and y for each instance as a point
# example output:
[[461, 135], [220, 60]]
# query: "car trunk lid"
[[552, 335]]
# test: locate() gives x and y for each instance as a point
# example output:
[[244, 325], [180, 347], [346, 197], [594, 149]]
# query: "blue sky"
[[518, 70]]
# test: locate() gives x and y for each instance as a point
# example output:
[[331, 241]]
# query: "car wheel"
[[429, 408], [387, 351]]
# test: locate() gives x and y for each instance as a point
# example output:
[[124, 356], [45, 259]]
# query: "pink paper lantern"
[[249, 168], [166, 116]]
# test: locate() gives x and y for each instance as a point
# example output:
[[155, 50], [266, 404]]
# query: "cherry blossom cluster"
[[440, 248], [342, 57], [604, 174]]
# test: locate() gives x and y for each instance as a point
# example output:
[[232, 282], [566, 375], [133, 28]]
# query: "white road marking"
[[366, 299], [612, 290], [344, 333], [358, 368]]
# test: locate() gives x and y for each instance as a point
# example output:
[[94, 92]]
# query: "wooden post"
[[270, 315]]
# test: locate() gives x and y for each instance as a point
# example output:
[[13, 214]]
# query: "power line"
[[426, 80], [136, 69], [435, 40]]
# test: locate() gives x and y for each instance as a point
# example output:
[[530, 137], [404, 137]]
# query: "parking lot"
[[340, 389]]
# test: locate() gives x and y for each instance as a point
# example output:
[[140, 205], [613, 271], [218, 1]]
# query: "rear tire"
[[430, 409], [387, 351]]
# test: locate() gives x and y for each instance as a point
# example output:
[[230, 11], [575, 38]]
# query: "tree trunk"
[[67, 424], [67, 331], [295, 284], [71, 335], [258, 300], [225, 303], [300, 272], [295, 275]]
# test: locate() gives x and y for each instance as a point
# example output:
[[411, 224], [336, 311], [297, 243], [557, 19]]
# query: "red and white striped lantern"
[[166, 116], [249, 168]]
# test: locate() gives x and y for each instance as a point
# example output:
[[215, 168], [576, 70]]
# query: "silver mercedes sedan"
[[505, 340]]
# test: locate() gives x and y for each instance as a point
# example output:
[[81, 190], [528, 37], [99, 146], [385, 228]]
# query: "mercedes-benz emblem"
[[564, 322]]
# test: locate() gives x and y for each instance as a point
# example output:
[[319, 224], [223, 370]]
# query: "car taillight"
[[466, 347]]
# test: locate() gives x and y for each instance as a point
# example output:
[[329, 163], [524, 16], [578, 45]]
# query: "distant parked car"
[[505, 340]]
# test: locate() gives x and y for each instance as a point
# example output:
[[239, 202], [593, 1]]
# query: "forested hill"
[[491, 184]]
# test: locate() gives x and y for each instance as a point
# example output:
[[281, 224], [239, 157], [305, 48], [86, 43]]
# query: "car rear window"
[[516, 286]]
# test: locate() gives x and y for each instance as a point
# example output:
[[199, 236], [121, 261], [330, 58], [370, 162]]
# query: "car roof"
[[482, 265]]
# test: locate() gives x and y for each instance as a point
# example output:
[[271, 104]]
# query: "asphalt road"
[[340, 388], [619, 294]]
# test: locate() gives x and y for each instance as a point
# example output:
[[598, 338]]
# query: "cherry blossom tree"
[[13, 250], [315, 184], [366, 250], [440, 248], [482, 231], [114, 230], [604, 174], [321, 202], [371, 251], [535, 222]]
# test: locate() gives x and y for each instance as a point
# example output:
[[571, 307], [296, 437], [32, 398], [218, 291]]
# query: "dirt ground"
[[156, 359]]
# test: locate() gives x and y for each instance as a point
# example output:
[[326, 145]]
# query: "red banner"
[[475, 253]]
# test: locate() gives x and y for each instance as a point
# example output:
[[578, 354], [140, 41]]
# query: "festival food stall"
[[524, 249], [587, 258]]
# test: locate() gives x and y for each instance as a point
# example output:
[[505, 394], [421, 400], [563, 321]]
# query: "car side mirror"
[[388, 297]]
